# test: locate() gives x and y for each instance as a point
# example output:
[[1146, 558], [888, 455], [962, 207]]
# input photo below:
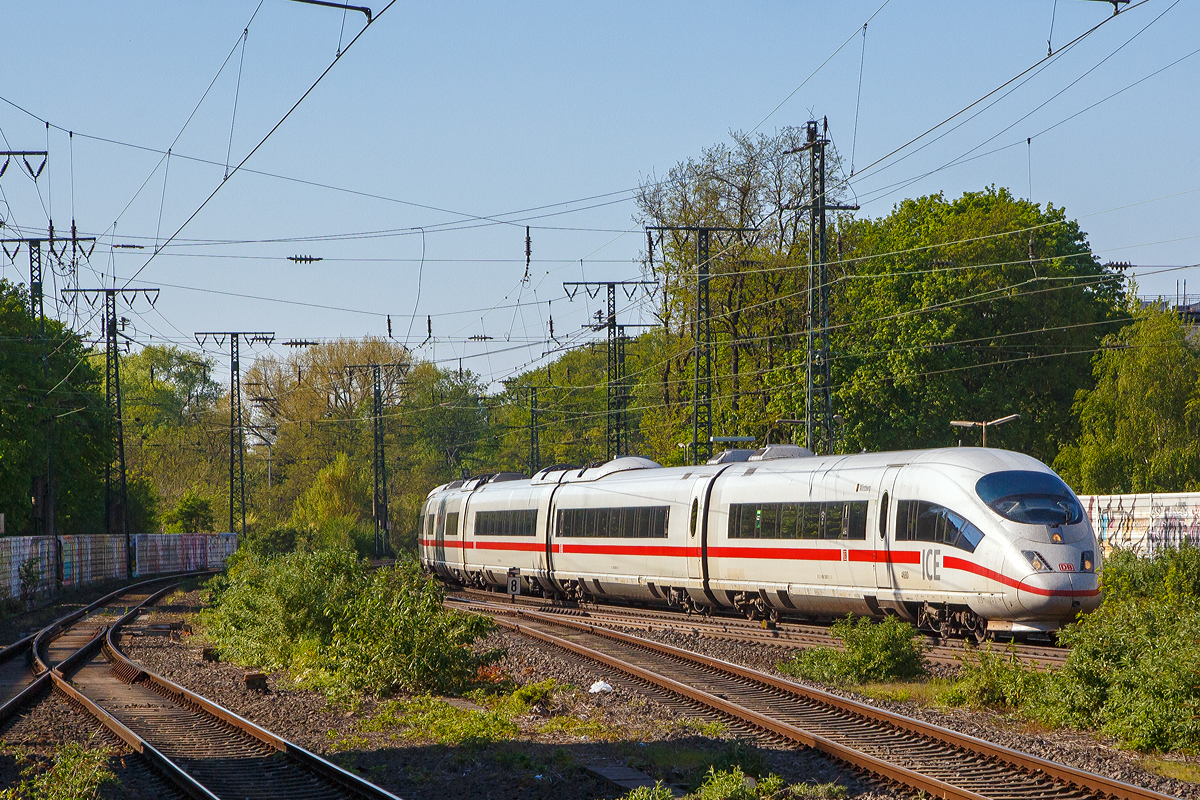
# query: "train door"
[[881, 532], [438, 510], [697, 532]]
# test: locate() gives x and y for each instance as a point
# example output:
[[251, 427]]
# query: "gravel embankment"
[[625, 728], [1086, 751]]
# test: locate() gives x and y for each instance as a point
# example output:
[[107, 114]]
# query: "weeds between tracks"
[[886, 651], [1132, 671], [73, 772]]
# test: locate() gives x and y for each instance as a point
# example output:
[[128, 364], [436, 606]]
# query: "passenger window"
[[856, 520], [695, 514], [832, 512]]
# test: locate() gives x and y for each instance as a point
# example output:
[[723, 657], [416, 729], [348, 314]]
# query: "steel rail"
[[125, 670], [1073, 778], [62, 685], [932, 786], [32, 644]]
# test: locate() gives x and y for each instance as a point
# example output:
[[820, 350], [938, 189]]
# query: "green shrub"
[[990, 679], [272, 542], [1172, 574], [192, 514], [655, 792], [1133, 673], [728, 784], [396, 634], [74, 773], [1132, 668], [887, 650], [321, 616], [531, 694], [270, 612]]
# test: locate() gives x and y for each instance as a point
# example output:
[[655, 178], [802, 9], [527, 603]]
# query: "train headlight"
[[1037, 561], [1056, 537], [1086, 564]]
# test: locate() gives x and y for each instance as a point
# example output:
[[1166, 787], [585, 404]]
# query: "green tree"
[[51, 402], [972, 309], [192, 514], [339, 492], [176, 436], [756, 290], [1140, 424]]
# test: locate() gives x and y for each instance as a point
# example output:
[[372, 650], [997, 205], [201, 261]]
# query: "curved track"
[[794, 635], [916, 754], [201, 748], [206, 750], [25, 665]]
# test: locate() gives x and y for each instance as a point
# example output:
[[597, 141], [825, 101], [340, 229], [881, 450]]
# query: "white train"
[[962, 541]]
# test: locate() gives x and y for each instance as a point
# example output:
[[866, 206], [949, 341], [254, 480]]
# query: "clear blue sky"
[[487, 109]]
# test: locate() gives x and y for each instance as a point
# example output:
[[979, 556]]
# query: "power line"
[[263, 140]]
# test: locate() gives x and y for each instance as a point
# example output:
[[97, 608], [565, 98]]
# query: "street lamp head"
[[958, 423], [1003, 420]]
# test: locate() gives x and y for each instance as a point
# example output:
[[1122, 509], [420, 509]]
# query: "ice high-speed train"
[[962, 541]]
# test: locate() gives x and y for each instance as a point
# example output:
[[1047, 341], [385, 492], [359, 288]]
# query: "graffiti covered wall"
[[1144, 523], [51, 564]]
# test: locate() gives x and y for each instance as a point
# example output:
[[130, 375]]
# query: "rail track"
[[25, 664], [915, 754], [784, 634], [203, 750]]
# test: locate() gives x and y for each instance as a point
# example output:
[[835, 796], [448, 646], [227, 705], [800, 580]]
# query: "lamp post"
[[964, 424]]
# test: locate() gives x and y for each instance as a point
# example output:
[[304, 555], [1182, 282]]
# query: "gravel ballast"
[[1084, 750], [546, 760]]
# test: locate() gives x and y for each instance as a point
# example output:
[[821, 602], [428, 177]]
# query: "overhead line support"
[[379, 498], [237, 433], [116, 490], [702, 427], [616, 439]]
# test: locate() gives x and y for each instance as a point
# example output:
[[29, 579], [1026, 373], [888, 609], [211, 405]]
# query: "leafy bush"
[[1173, 575], [1132, 668], [655, 792], [273, 612], [29, 575], [396, 634], [323, 617], [887, 650], [74, 773], [271, 542], [990, 679], [1132, 672]]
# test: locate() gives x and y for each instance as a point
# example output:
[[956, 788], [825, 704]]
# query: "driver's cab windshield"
[[1033, 498]]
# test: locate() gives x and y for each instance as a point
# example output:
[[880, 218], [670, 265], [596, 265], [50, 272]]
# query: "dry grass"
[[1168, 768], [924, 692]]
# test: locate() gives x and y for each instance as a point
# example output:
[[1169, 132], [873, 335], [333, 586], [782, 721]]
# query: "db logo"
[[1066, 567]]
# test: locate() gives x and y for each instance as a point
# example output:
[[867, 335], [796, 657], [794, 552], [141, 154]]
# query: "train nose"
[[1059, 594]]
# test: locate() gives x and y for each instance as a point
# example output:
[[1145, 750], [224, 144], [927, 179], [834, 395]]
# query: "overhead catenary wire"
[[268, 135]]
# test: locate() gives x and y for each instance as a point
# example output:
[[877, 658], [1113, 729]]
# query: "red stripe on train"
[[953, 562]]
